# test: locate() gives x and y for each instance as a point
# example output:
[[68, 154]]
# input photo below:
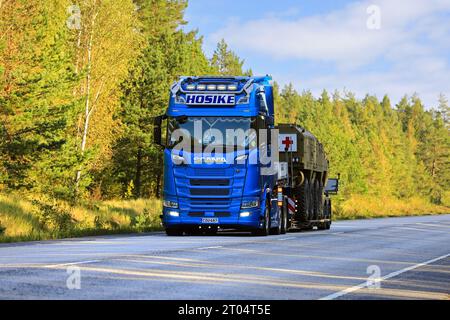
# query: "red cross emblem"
[[287, 142]]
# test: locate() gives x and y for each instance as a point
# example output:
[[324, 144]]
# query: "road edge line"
[[386, 277]]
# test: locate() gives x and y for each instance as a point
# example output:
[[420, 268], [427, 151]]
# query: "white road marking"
[[70, 264], [213, 247], [432, 225], [282, 239], [388, 276]]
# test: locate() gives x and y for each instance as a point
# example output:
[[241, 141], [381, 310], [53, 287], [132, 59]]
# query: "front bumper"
[[234, 221]]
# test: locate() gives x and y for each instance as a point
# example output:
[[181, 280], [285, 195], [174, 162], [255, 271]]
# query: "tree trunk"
[[87, 109]]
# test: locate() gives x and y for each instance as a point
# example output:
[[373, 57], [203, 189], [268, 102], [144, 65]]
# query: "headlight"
[[221, 87], [245, 214], [201, 87], [190, 87], [173, 213], [232, 87], [247, 204], [212, 87], [170, 204]]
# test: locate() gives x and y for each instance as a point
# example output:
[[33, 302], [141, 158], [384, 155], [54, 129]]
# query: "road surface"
[[394, 258]]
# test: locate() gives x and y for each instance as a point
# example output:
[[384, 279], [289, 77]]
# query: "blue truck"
[[227, 166]]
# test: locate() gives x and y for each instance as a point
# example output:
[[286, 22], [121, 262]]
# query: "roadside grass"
[[29, 218], [25, 218], [367, 207]]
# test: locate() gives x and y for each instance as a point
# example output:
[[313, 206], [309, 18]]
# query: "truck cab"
[[214, 134]]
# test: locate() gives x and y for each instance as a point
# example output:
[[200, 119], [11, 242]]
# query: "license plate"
[[210, 220]]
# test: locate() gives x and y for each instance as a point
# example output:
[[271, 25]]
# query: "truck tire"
[[315, 192], [265, 230], [311, 201], [304, 199], [174, 232], [320, 204]]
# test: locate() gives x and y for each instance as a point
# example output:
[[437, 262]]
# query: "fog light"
[[174, 213], [245, 214]]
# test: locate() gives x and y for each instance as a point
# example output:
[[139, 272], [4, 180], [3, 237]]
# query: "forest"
[[81, 80]]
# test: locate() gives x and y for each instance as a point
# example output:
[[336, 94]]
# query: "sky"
[[377, 47]]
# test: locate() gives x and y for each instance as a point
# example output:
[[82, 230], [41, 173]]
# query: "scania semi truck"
[[227, 166]]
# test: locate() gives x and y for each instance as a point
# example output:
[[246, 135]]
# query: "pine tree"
[[227, 62], [36, 103]]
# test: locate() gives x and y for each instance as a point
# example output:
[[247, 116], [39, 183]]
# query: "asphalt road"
[[395, 258]]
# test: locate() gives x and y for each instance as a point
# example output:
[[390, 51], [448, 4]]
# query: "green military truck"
[[304, 187]]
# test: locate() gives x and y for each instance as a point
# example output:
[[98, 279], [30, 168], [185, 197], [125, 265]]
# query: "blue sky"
[[376, 46]]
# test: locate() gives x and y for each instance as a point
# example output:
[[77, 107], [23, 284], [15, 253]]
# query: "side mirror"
[[332, 186], [157, 123]]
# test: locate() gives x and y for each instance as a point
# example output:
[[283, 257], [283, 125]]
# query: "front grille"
[[210, 172], [209, 192], [212, 203], [196, 214], [210, 182]]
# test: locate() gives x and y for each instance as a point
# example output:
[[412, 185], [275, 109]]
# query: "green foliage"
[[36, 96], [144, 221], [52, 217], [104, 223], [2, 229]]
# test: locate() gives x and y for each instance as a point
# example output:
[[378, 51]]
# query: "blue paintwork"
[[245, 181]]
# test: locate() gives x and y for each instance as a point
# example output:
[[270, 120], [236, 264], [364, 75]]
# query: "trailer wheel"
[[311, 195], [315, 200], [320, 202], [304, 199]]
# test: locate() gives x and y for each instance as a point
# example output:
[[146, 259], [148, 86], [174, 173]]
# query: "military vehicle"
[[303, 179]]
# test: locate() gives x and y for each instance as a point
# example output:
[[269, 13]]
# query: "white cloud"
[[413, 44]]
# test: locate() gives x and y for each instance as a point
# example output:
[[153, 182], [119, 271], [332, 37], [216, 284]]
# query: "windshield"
[[223, 132]]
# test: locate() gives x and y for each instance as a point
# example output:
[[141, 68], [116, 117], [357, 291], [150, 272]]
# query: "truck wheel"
[[174, 232], [304, 199], [265, 231]]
